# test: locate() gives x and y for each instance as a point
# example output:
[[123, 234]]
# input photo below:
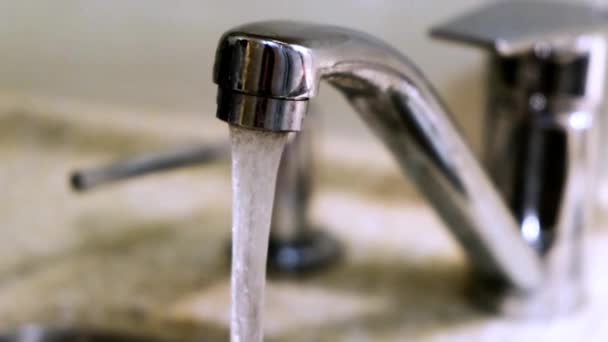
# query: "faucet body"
[[266, 73], [539, 150]]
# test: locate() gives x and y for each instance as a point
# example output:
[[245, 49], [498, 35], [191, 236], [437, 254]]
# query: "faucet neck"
[[264, 66]]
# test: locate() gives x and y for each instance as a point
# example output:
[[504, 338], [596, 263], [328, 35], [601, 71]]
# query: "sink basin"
[[149, 255]]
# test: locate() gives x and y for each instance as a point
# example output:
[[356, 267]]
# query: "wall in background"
[[158, 55], [153, 54]]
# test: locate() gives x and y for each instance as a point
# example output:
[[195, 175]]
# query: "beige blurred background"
[[152, 55]]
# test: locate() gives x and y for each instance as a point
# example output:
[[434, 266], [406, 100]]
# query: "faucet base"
[[310, 251], [553, 299]]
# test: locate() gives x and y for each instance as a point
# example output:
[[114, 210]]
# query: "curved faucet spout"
[[267, 71]]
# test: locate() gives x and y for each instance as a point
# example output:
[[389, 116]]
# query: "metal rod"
[[83, 180]]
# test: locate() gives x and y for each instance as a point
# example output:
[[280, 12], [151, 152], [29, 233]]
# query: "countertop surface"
[[149, 256]]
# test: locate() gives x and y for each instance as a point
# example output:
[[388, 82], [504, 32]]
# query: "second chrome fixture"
[[520, 216], [295, 246]]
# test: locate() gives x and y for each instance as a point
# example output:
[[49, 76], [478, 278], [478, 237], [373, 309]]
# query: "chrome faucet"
[[520, 217]]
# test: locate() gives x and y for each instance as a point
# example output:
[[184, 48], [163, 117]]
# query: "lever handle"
[[82, 180], [513, 27]]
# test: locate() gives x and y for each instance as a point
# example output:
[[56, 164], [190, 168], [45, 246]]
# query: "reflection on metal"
[[519, 26], [541, 156], [530, 228], [543, 98], [284, 60]]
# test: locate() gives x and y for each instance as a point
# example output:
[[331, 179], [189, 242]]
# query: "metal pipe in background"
[[87, 179]]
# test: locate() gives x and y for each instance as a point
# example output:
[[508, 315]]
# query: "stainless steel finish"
[[547, 80], [540, 114], [285, 61], [145, 164], [279, 114], [515, 27], [547, 70], [539, 150]]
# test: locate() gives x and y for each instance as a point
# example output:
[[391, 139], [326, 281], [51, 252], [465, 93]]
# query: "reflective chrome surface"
[[515, 27], [539, 150], [521, 225], [279, 114], [285, 61]]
